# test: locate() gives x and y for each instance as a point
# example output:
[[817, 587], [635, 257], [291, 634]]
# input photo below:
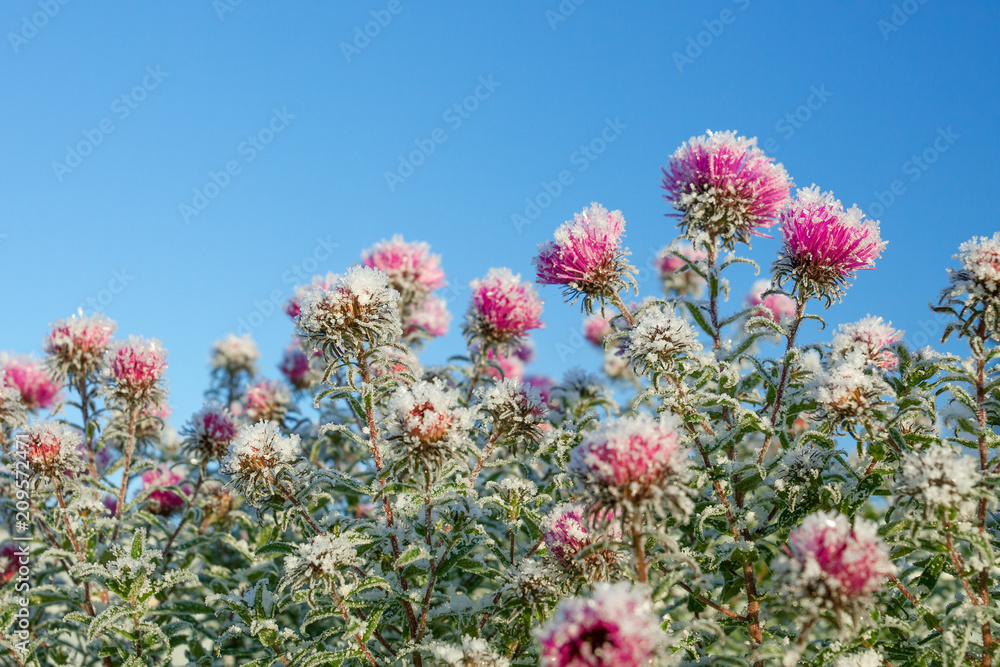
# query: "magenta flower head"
[[300, 370], [824, 245], [208, 434], [615, 627], [133, 371], [587, 258], [596, 328], [51, 448], [774, 306], [834, 565], [76, 346], [412, 269], [725, 188], [33, 381], [634, 463], [163, 501], [566, 534], [503, 310]]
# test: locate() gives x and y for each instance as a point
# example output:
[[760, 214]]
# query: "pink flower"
[[209, 432], [134, 369], [163, 502], [12, 557], [586, 256], [724, 186], [411, 267], [824, 244], [836, 560], [267, 400], [870, 337], [510, 365], [773, 306], [676, 274], [76, 346], [615, 627], [51, 448], [31, 379], [596, 328], [543, 384], [430, 318], [503, 308], [299, 370], [565, 533]]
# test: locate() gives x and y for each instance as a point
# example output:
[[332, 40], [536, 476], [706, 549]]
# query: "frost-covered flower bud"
[[676, 273], [615, 627], [258, 456], [76, 346], [12, 410], [724, 187], [163, 501], [359, 308], [294, 305], [33, 381], [133, 371], [325, 559], [566, 534], [428, 427], [939, 477], [208, 434], [472, 652], [775, 306], [587, 257], [871, 338], [515, 410], [978, 277], [530, 582], [824, 245], [503, 309], [634, 462], [235, 355], [412, 269], [845, 391], [267, 400], [658, 339], [51, 448], [832, 564]]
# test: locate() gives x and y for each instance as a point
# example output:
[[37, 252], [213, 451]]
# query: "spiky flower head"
[[614, 627], [428, 427], [674, 264], [258, 456], [514, 409], [76, 346], [33, 381], [846, 391], [326, 559], [163, 500], [472, 652], [294, 306], [871, 338], [824, 245], [208, 434], [977, 280], [235, 355], [51, 448], [939, 478], [359, 308], [659, 339], [566, 534], [587, 257], [503, 309], [775, 306], [133, 371], [531, 583], [634, 463], [267, 400], [832, 564], [725, 188], [411, 268]]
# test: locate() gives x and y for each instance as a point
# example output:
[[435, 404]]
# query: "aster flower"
[[615, 627], [133, 371], [514, 409], [845, 391], [977, 280], [676, 274], [631, 463], [939, 477], [359, 308], [300, 370], [267, 400], [472, 652], [294, 306], [834, 565], [543, 384], [235, 355], [412, 269], [76, 346], [530, 583], [208, 434], [163, 501], [428, 428], [51, 448], [34, 382], [500, 365], [325, 559], [503, 309], [430, 319], [258, 456], [775, 306], [725, 188], [658, 339], [871, 337], [567, 536], [596, 328], [824, 245], [586, 257]]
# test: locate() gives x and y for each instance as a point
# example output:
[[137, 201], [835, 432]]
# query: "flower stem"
[[133, 414]]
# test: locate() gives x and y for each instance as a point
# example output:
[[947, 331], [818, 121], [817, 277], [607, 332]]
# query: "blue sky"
[[286, 119]]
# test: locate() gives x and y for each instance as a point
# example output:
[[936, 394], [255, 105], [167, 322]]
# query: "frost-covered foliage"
[[740, 485]]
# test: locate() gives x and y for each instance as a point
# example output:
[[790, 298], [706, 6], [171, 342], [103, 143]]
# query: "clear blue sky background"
[[887, 94]]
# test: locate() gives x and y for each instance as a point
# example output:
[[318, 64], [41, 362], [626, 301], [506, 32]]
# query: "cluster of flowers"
[[699, 504]]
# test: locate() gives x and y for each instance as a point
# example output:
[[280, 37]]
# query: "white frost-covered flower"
[[870, 338], [530, 581], [472, 652], [12, 410], [428, 426], [514, 408], [867, 659], [258, 455], [939, 476], [658, 338], [235, 354], [324, 558], [846, 391], [979, 273]]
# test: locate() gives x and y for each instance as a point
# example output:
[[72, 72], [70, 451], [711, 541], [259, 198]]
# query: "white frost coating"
[[658, 336], [260, 446], [939, 476], [472, 652], [324, 555]]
